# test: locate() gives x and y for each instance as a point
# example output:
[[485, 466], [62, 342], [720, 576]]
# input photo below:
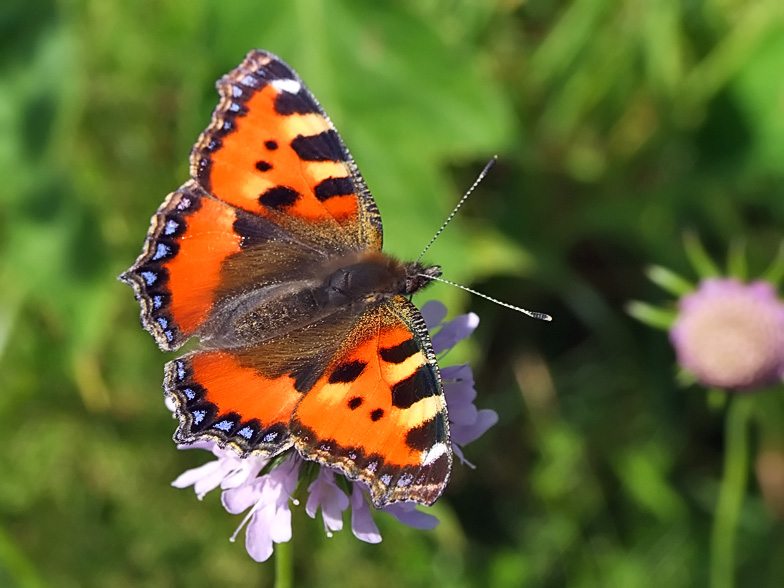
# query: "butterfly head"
[[419, 276]]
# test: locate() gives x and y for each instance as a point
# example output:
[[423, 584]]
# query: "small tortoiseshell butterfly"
[[271, 256]]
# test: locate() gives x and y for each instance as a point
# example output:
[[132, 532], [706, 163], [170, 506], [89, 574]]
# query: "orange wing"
[[201, 253], [272, 150], [275, 193], [362, 394], [178, 273], [275, 196], [218, 397], [378, 413]]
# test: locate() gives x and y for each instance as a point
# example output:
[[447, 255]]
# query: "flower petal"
[[451, 333], [434, 313], [191, 477], [258, 540], [362, 524], [407, 513], [248, 469], [333, 501], [463, 434], [280, 524]]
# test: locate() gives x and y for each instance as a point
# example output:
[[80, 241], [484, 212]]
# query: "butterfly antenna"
[[537, 315], [481, 177]]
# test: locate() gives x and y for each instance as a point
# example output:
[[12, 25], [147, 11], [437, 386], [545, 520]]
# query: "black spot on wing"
[[376, 414], [277, 70], [203, 172], [432, 477], [155, 276], [305, 434], [271, 145], [421, 384], [427, 434], [263, 166], [330, 187], [287, 103], [401, 352], [355, 402], [279, 197], [254, 230], [305, 376], [325, 146], [347, 372]]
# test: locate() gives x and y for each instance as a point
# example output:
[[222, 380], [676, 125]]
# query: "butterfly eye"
[[340, 284]]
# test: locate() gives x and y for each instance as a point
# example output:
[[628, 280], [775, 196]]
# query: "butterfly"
[[271, 256]]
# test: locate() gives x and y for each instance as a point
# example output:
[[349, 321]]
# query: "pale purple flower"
[[362, 524], [466, 422], [450, 333], [228, 471], [407, 513], [267, 497], [434, 313], [731, 335], [333, 501]]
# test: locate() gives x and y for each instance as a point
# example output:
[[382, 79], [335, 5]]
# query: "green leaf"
[[699, 258], [736, 260], [652, 316], [669, 280], [775, 272], [759, 87]]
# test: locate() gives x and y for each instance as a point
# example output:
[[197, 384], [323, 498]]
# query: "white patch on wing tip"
[[290, 86], [434, 453]]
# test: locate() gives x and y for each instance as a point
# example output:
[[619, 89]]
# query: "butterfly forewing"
[[272, 150], [179, 273]]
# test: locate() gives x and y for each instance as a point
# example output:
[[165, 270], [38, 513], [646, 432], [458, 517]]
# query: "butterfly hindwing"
[[219, 392], [219, 398], [378, 412], [360, 393], [200, 255]]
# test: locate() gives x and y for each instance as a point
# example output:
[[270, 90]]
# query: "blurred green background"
[[618, 124]]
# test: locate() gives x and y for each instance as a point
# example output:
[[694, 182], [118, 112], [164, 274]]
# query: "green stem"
[[284, 564], [731, 492], [15, 565]]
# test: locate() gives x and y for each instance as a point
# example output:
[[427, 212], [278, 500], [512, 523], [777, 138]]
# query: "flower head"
[[727, 332], [266, 489], [731, 335]]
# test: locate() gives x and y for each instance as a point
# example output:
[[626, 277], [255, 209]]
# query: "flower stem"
[[284, 564], [731, 492]]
